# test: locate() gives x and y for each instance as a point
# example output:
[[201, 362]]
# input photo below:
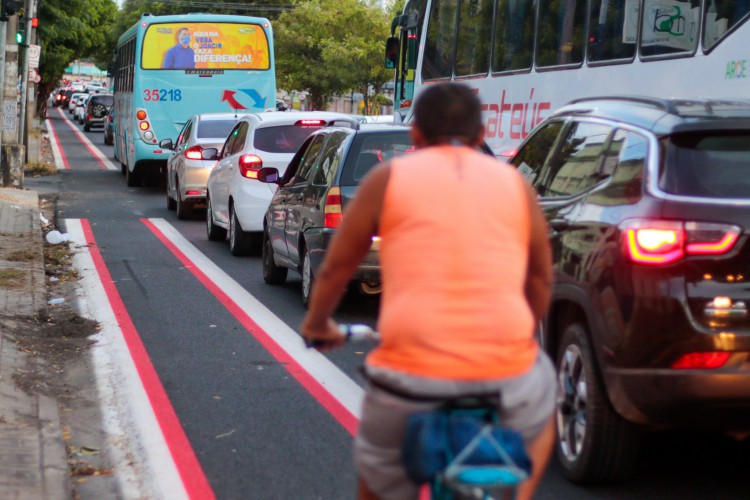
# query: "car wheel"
[[240, 242], [594, 443], [171, 204], [272, 274], [214, 232], [308, 280], [184, 208]]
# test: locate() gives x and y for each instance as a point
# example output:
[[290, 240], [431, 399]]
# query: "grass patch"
[[39, 168], [59, 261], [25, 255], [9, 277]]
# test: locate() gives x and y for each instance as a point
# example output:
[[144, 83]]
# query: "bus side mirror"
[[391, 52]]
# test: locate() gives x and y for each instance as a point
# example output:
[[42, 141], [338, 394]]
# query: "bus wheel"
[[131, 178]]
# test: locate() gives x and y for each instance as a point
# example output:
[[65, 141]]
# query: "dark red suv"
[[648, 204]]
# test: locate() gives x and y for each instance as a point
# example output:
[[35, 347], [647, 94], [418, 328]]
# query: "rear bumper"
[[716, 400], [368, 270]]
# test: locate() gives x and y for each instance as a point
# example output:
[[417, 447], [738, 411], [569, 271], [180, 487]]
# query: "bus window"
[[669, 27], [441, 37], [560, 32], [607, 33], [720, 16], [514, 35], [474, 30]]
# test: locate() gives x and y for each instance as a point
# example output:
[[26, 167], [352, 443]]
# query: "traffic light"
[[10, 8], [21, 33]]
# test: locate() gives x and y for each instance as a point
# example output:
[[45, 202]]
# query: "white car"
[[80, 111], [236, 201], [74, 100], [187, 167]]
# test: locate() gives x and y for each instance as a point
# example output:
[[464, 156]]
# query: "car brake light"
[[663, 242], [701, 360], [194, 153], [332, 208], [249, 166], [310, 123]]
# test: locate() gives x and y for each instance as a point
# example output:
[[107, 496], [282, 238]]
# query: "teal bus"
[[169, 68]]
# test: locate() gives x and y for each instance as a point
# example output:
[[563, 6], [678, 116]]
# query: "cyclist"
[[467, 271]]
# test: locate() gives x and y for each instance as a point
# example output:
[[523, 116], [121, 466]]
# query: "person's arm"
[[539, 273], [348, 247]]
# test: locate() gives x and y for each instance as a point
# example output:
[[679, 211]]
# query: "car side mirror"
[[210, 154], [166, 144], [268, 175]]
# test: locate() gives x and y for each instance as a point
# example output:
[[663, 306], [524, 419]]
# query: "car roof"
[[218, 116], [663, 116], [291, 117]]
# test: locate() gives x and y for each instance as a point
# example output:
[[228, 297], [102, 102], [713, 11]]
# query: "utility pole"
[[28, 14], [11, 153]]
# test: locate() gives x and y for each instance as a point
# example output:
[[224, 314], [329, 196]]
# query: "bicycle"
[[474, 462]]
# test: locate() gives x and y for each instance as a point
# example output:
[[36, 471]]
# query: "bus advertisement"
[[526, 58], [169, 68]]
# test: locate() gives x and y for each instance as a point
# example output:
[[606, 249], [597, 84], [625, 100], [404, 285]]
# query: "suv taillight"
[[194, 153], [249, 166], [658, 242], [332, 208]]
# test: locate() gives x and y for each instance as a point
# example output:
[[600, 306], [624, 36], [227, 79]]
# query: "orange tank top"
[[455, 236]]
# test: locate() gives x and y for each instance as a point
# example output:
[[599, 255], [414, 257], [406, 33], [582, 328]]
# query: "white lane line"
[[129, 420], [336, 382], [93, 149], [59, 163]]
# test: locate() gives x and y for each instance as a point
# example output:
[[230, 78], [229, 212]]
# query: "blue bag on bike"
[[434, 440]]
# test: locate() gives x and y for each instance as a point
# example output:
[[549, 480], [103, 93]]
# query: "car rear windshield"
[[107, 100], [282, 138], [208, 129], [707, 165], [367, 150]]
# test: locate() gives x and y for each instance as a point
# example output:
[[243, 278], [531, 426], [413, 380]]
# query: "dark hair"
[[446, 112]]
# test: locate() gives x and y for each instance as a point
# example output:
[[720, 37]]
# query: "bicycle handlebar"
[[352, 333]]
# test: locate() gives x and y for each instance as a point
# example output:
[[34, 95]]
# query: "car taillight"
[[332, 208], [194, 153], [249, 166], [701, 360], [657, 242], [310, 123]]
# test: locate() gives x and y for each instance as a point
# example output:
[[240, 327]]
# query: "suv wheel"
[[240, 242], [215, 233], [594, 443], [272, 274], [308, 280]]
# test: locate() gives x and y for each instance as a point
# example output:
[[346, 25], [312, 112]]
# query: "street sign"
[[34, 52]]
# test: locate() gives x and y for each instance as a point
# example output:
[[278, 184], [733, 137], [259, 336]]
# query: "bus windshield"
[[196, 45]]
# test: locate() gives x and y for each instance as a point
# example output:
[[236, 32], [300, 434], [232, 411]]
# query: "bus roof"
[[187, 18]]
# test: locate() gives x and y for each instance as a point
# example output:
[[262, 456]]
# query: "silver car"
[[188, 167]]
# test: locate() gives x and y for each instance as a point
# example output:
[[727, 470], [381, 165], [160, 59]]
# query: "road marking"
[[100, 157], [131, 394], [61, 161], [333, 389]]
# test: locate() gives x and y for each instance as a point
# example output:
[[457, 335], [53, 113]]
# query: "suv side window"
[[291, 169], [625, 162], [239, 140], [312, 153], [330, 160], [229, 145], [532, 157], [574, 167]]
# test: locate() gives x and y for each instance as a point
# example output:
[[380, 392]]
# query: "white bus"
[[528, 57]]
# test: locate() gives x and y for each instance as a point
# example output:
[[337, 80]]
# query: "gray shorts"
[[527, 402]]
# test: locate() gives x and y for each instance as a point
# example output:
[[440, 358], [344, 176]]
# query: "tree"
[[329, 47]]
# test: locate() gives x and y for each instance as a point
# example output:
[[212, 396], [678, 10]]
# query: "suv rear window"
[[107, 100], [282, 138], [707, 165], [368, 150], [208, 129]]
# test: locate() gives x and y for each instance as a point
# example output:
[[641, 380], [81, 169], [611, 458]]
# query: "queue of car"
[[648, 210]]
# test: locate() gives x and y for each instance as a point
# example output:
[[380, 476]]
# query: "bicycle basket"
[[466, 445]]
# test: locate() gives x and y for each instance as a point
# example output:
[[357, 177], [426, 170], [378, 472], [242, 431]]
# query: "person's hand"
[[322, 336]]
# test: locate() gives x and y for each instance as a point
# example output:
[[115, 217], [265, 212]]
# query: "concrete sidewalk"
[[33, 462]]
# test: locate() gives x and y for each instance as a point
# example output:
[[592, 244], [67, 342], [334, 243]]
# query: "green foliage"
[[329, 47]]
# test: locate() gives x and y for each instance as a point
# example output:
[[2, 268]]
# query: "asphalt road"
[[255, 430]]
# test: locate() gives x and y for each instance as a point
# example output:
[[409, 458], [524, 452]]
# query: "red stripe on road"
[[80, 138], [66, 165], [189, 468], [331, 404]]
